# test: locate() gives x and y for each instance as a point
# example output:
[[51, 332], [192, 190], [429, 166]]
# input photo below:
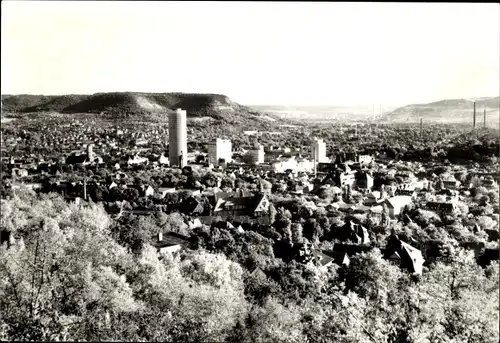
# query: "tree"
[[62, 283], [272, 213]]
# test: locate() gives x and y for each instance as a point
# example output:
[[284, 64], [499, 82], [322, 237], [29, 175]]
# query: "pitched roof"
[[399, 201], [239, 204], [171, 238], [411, 258]]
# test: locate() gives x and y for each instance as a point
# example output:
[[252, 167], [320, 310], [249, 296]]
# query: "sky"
[[281, 53]]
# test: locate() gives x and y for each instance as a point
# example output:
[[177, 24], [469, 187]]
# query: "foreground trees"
[[67, 276]]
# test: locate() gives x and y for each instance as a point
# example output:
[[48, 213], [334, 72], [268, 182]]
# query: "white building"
[[318, 150], [292, 163], [365, 159], [220, 149], [255, 156], [177, 138]]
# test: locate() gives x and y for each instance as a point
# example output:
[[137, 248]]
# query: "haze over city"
[[255, 53]]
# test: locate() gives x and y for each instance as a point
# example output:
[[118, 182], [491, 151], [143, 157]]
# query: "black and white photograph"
[[245, 171]]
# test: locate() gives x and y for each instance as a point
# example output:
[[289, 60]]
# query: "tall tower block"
[[318, 150], [474, 123], [90, 152], [177, 138], [219, 149]]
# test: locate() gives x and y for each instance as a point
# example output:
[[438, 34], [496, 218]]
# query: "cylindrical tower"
[[90, 152], [177, 138]]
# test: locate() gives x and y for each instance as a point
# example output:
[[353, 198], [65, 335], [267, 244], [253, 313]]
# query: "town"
[[246, 171], [296, 195]]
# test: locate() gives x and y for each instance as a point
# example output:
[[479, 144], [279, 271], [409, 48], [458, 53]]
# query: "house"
[[345, 178], [136, 159], [192, 206], [327, 258], [20, 172], [255, 205], [373, 198], [194, 224], [396, 204], [356, 233], [163, 191], [489, 183], [78, 159], [406, 192], [404, 255], [364, 181], [171, 243], [450, 184], [163, 160], [364, 159], [324, 261], [442, 207], [265, 186], [146, 191]]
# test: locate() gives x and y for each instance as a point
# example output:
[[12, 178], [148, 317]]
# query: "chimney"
[[160, 236]]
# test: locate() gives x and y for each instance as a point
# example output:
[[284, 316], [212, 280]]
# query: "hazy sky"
[[256, 53]]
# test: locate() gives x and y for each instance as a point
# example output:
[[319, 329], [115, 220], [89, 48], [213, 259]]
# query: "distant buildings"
[[255, 156], [365, 159], [318, 149], [177, 138], [219, 150]]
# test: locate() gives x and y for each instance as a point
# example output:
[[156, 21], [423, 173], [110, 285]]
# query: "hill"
[[127, 104], [451, 110]]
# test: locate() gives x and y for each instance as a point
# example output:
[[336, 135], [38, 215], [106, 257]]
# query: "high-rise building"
[[255, 156], [177, 138], [90, 152], [220, 149], [318, 150]]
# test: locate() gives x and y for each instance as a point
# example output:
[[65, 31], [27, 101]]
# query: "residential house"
[[374, 198], [195, 223], [404, 255], [163, 160], [192, 206], [396, 204], [407, 192], [451, 184], [170, 243], [163, 191], [489, 183], [338, 257], [136, 159], [146, 191], [112, 185], [19, 172], [256, 205], [355, 233], [364, 181], [442, 207], [82, 159]]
